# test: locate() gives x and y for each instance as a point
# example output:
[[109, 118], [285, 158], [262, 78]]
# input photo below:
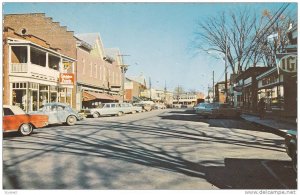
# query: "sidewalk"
[[270, 123]]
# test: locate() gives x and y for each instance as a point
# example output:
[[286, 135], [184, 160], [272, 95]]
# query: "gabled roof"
[[114, 53], [89, 38], [139, 79], [93, 39]]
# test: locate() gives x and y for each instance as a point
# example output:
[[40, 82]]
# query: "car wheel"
[[294, 161], [96, 115], [120, 113], [26, 129], [71, 120]]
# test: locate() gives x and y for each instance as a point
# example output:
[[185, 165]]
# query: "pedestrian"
[[261, 108]]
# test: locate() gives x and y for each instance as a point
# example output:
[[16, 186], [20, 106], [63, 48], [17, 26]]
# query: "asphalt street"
[[161, 149]]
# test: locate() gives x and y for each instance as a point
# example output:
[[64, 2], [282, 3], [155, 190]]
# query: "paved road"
[[162, 149]]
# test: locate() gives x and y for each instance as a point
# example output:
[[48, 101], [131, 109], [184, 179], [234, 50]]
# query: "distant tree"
[[179, 90]]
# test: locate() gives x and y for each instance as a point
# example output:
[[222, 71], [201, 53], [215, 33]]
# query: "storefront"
[[37, 75], [279, 89]]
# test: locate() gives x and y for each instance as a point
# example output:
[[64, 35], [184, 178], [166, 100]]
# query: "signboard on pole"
[[66, 78], [286, 63]]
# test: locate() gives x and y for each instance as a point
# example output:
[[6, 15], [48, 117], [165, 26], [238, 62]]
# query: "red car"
[[15, 119]]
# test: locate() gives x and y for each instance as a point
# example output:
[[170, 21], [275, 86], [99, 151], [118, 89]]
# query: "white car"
[[129, 108], [112, 109]]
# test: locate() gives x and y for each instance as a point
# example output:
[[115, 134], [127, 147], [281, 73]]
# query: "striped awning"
[[88, 96]]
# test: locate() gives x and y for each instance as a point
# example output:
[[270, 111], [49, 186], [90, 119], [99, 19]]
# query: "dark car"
[[291, 146]]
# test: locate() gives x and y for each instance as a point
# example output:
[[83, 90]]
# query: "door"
[[62, 113], [51, 111]]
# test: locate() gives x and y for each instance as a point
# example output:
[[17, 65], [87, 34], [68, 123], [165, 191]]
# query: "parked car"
[[160, 106], [105, 109], [145, 107], [60, 113], [291, 146], [217, 110], [15, 119], [129, 108], [204, 109]]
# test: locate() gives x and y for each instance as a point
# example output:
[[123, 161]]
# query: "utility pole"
[[124, 68], [213, 85], [150, 88], [226, 95]]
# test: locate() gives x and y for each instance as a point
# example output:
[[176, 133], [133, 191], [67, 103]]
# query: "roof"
[[252, 71], [89, 38], [140, 79]]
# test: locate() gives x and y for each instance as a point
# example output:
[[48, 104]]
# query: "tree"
[[179, 90], [244, 33]]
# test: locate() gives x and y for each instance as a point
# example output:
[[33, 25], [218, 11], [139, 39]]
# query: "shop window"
[[19, 98]]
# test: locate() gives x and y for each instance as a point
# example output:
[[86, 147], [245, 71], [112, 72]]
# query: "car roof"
[[56, 103], [15, 109]]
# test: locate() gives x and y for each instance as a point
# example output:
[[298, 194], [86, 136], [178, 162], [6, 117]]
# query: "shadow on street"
[[235, 173]]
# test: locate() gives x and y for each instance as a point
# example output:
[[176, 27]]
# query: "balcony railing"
[[19, 67], [36, 71]]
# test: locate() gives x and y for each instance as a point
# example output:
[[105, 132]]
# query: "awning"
[[88, 96]]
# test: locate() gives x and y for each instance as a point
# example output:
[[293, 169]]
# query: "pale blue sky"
[[157, 36]]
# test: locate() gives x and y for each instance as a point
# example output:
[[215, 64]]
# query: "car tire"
[[120, 113], [71, 120], [96, 115], [25, 129]]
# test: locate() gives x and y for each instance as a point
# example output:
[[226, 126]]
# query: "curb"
[[268, 128]]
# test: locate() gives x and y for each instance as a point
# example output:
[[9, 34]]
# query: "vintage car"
[[291, 146], [145, 107], [59, 113], [217, 110], [15, 119], [129, 108], [104, 110]]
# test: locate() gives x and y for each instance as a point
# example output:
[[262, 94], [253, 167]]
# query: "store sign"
[[288, 63], [66, 79]]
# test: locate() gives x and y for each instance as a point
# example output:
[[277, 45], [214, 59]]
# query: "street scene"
[[161, 149], [150, 96]]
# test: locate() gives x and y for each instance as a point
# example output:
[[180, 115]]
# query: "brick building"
[[98, 72], [61, 41], [34, 72]]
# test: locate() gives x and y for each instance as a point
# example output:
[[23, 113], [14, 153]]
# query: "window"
[[7, 112], [60, 108], [113, 105]]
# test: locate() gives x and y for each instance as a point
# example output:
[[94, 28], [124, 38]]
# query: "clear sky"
[[157, 36]]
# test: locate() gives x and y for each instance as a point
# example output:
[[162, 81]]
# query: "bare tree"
[[245, 34]]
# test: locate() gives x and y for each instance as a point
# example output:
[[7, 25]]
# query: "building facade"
[[34, 72], [98, 74], [61, 41]]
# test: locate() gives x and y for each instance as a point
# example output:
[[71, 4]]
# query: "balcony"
[[34, 71]]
